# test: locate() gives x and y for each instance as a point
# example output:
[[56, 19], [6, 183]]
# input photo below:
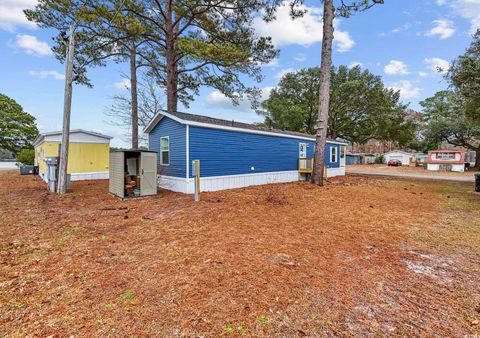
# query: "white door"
[[302, 150], [343, 156], [148, 174]]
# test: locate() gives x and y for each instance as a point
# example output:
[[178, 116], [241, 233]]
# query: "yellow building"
[[88, 153]]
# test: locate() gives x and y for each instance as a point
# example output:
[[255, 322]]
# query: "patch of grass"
[[17, 305], [262, 320], [242, 328], [126, 296], [228, 329], [109, 306]]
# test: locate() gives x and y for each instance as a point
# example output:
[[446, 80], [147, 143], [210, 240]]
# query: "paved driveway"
[[407, 172]]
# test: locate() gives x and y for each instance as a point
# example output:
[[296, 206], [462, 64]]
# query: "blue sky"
[[403, 41]]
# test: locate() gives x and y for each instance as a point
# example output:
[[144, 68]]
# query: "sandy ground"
[[412, 172], [360, 257]]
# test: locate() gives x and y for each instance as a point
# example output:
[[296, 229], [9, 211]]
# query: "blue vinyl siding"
[[223, 152], [328, 151], [177, 135]]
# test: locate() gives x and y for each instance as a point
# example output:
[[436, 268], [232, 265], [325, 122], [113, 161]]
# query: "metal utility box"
[[133, 173], [27, 170]]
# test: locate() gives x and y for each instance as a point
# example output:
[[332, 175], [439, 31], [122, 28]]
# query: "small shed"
[[402, 156], [133, 173]]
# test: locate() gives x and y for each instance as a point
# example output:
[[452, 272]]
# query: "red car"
[[394, 163]]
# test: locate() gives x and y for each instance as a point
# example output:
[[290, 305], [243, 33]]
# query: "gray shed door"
[[148, 170], [116, 176]]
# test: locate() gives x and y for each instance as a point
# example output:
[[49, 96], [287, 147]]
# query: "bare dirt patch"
[[359, 257]]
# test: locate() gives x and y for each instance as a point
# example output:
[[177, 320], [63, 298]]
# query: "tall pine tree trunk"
[[172, 74], [324, 99], [477, 158], [133, 91]]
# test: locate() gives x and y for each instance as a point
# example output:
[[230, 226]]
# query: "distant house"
[[449, 160], [88, 154], [231, 154], [470, 155], [402, 156]]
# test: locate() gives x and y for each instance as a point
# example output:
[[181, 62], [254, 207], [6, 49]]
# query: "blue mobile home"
[[231, 154]]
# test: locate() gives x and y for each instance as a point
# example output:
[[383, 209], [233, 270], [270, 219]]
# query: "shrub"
[[26, 156], [380, 159]]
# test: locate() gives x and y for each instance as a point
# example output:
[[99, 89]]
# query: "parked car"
[[394, 163]]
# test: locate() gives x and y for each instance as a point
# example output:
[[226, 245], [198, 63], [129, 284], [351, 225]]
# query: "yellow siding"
[[82, 157], [44, 150]]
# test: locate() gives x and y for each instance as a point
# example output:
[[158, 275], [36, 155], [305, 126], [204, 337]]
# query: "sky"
[[404, 41]]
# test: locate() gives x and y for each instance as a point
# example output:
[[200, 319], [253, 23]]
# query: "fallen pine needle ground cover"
[[359, 257]]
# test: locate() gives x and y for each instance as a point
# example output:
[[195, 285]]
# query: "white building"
[[402, 156]]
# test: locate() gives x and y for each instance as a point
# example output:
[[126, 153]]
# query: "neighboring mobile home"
[[449, 160], [231, 154], [88, 153]]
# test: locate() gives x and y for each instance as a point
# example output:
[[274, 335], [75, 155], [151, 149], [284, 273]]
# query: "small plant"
[[109, 306], [125, 296], [242, 328], [229, 329], [380, 159], [262, 320]]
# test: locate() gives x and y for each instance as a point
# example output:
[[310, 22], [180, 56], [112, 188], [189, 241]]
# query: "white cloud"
[[281, 73], [31, 45], [342, 39], [12, 16], [43, 74], [443, 28], [354, 64], [122, 84], [422, 74], [216, 100], [437, 65], [404, 27], [467, 9], [303, 31], [407, 89], [300, 57], [396, 67]]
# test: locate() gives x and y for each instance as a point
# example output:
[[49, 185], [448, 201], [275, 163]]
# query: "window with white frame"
[[165, 150], [302, 150], [333, 154], [445, 156]]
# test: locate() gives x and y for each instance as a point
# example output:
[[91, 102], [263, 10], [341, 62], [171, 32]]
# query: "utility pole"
[[67, 105]]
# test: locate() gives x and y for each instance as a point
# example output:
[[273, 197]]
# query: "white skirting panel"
[[332, 172], [239, 181], [455, 167], [177, 184], [101, 175], [216, 183]]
